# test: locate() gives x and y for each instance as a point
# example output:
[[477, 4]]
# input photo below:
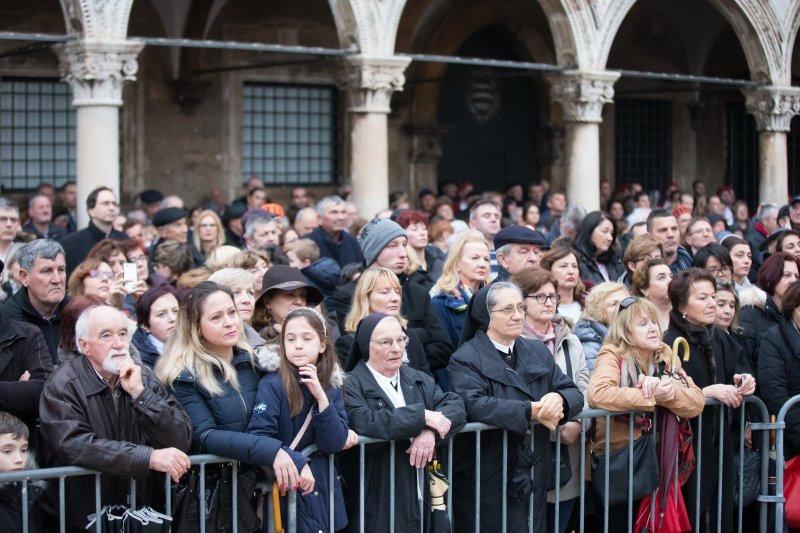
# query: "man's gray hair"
[[495, 289], [250, 227], [7, 203], [35, 196], [44, 248], [305, 211], [573, 216], [332, 199], [766, 211], [82, 327]]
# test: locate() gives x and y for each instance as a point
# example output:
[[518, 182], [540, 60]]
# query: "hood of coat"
[[323, 273], [591, 330], [268, 359], [561, 328], [754, 296]]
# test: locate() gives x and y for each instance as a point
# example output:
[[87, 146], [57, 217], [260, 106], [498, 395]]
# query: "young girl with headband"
[[301, 404]]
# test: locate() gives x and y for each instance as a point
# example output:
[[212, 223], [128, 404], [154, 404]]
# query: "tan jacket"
[[606, 393]]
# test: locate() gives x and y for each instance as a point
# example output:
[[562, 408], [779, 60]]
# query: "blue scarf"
[[459, 299]]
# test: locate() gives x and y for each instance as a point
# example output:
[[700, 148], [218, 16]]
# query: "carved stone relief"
[[96, 71], [370, 82]]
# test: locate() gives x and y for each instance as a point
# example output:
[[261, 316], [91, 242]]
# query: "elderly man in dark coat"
[[512, 383], [105, 412], [389, 400]]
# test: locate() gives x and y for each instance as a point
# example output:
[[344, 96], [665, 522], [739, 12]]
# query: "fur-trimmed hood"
[[268, 359], [754, 296]]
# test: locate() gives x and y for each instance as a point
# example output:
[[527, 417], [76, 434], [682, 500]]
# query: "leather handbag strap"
[[302, 431]]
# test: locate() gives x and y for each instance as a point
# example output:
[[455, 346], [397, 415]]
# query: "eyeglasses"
[[101, 274], [627, 302], [138, 259], [509, 310], [719, 271], [542, 298], [386, 344]]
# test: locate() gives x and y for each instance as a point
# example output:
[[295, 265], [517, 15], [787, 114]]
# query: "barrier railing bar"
[[582, 502], [361, 487], [779, 463], [605, 487], [235, 496], [698, 468], [391, 485], [477, 482], [201, 498], [630, 471], [557, 505], [504, 510]]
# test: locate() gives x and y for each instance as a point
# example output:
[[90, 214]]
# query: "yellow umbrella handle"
[[677, 343]]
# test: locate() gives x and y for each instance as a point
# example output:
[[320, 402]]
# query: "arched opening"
[[447, 139], [490, 118], [667, 131]]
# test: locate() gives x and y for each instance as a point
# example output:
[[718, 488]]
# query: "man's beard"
[[111, 363]]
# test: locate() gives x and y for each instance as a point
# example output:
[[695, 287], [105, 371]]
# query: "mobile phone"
[[130, 276]]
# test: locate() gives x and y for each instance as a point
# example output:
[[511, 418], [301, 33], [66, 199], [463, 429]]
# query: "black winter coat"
[[147, 352], [11, 503], [729, 359], [591, 273], [86, 423], [219, 422], [755, 323], [344, 252], [434, 258], [417, 309], [22, 348], [371, 414], [779, 377], [19, 308], [77, 245], [495, 394]]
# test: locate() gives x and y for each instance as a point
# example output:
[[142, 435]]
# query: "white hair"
[[82, 324]]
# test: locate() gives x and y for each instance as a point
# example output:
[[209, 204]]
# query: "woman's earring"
[[683, 316]]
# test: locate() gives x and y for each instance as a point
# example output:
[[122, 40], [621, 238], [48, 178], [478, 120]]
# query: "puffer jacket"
[[324, 275], [757, 317], [86, 423], [219, 422], [592, 334], [607, 391]]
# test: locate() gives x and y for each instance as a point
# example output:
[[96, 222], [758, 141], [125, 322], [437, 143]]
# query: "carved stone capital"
[[773, 107], [582, 94], [96, 70], [370, 82]]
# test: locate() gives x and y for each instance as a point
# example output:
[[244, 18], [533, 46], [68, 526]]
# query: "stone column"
[[370, 82], [582, 95], [773, 108], [96, 70]]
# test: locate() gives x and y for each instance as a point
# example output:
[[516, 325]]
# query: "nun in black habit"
[[389, 400], [512, 383]]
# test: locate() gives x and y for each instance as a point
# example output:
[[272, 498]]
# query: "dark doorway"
[[490, 118]]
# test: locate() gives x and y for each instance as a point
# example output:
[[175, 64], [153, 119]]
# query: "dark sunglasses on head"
[[627, 302]]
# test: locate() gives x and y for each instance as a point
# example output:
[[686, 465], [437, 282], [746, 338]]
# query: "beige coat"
[[606, 392]]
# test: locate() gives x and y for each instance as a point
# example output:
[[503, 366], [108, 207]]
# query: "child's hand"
[[352, 440], [308, 376], [25, 376], [306, 481]]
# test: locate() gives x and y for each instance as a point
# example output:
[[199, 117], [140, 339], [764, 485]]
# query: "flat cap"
[[519, 235], [151, 196], [795, 199], [168, 215]]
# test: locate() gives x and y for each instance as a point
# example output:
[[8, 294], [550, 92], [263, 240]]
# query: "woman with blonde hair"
[[379, 291], [465, 271], [601, 306], [635, 371], [209, 368], [208, 232]]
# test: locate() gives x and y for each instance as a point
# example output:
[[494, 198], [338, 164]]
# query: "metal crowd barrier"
[[754, 404], [780, 427]]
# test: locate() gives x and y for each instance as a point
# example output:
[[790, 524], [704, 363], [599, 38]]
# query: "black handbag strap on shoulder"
[[567, 358]]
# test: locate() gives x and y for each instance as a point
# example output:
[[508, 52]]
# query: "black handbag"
[[645, 470], [218, 500], [751, 478]]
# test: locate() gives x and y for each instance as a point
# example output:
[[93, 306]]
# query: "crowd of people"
[[253, 330]]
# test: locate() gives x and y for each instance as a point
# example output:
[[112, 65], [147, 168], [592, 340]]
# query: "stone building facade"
[[189, 119]]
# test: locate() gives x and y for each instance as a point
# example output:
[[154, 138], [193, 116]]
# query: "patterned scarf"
[[459, 299], [548, 337]]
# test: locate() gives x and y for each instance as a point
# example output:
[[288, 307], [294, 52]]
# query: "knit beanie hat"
[[376, 235]]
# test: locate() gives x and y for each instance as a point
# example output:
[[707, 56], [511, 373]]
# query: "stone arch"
[[375, 23], [793, 28]]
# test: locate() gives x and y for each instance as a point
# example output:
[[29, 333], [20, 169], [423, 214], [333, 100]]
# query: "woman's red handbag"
[[791, 491]]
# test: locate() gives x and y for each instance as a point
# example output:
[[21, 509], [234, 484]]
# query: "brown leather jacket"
[[86, 423], [605, 392]]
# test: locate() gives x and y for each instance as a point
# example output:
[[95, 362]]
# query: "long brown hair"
[[326, 362]]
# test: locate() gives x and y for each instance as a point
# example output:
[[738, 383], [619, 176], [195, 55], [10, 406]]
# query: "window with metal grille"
[[643, 142], [289, 133], [37, 133], [742, 154]]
